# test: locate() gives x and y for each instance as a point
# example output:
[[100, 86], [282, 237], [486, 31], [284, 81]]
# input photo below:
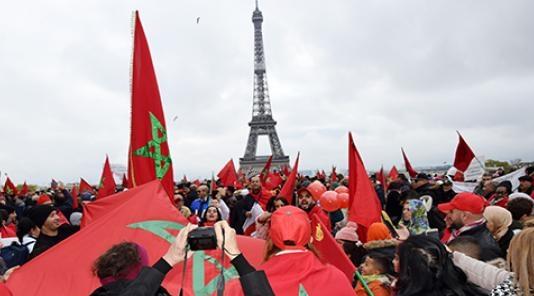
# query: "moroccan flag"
[[84, 186], [289, 186], [265, 171], [329, 250], [393, 174], [409, 167], [143, 215], [380, 177], [107, 182], [24, 190], [149, 157], [333, 175], [125, 183], [364, 206], [74, 193], [227, 175], [10, 186], [464, 155]]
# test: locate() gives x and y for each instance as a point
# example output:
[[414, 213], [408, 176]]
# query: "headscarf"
[[419, 221], [501, 219]]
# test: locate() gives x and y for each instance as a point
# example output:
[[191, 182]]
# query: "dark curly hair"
[[427, 269], [116, 261]]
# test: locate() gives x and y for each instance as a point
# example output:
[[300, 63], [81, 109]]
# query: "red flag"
[[107, 182], [265, 172], [409, 167], [464, 155], [333, 175], [380, 177], [285, 170], [274, 180], [227, 174], [329, 249], [364, 206], [289, 186], [84, 186], [143, 215], [393, 173], [125, 183], [24, 190], [149, 157], [10, 186], [74, 193]]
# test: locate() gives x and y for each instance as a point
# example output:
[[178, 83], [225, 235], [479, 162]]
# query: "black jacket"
[[489, 248]]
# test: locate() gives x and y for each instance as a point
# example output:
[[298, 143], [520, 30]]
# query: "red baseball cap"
[[290, 228], [465, 201]]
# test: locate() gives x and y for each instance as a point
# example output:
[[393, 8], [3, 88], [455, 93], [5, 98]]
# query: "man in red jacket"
[[306, 203]]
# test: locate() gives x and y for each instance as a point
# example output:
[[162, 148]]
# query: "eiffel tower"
[[262, 122]]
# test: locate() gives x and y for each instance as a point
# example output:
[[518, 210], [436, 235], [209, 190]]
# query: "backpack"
[[15, 254]]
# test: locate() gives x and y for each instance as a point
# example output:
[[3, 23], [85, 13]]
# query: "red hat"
[[290, 228], [44, 199], [465, 201]]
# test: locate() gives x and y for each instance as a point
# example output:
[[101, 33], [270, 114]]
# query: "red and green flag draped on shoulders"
[[143, 215], [149, 156], [364, 205]]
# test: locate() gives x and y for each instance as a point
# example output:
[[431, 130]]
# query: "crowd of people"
[[433, 240]]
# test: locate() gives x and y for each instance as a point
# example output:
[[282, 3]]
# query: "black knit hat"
[[39, 214]]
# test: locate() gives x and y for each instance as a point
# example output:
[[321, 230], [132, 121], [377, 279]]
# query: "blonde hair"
[[521, 259]]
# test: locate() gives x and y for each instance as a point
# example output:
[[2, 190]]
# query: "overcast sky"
[[395, 73]]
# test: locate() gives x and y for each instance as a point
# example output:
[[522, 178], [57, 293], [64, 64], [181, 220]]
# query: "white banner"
[[513, 177]]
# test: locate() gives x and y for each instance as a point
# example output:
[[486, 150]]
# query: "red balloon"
[[329, 201], [316, 189], [343, 199], [341, 189]]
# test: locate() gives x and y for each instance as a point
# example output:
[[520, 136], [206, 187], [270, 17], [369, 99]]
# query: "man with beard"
[[465, 218], [306, 203], [51, 230], [260, 194]]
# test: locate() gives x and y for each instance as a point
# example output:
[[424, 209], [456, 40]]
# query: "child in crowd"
[[375, 271]]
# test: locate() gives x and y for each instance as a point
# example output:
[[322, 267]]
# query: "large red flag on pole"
[[107, 182], [408, 165], [329, 249], [289, 186], [393, 174], [464, 155], [10, 186], [24, 190], [227, 175], [364, 205], [381, 177], [85, 186], [149, 156]]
